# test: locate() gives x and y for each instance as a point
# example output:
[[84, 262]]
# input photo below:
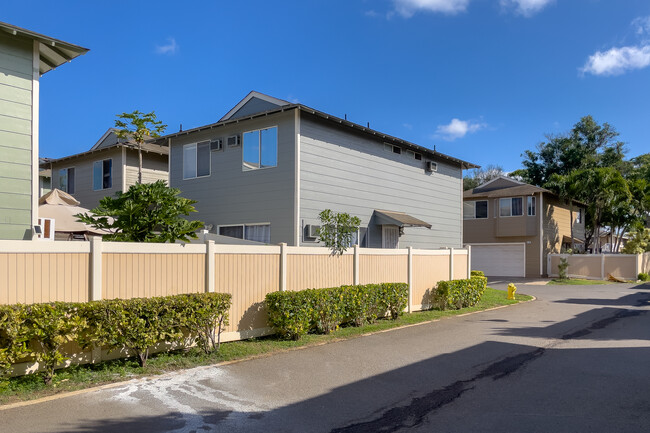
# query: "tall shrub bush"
[[50, 327], [293, 314], [456, 294]]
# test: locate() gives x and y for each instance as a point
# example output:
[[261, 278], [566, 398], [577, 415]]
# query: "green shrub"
[[14, 339], [393, 298], [202, 317], [136, 324], [477, 274], [50, 327], [456, 294], [562, 268], [290, 313], [293, 314], [644, 277]]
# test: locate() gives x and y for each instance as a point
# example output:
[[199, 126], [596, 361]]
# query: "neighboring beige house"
[[24, 57], [512, 226], [109, 166]]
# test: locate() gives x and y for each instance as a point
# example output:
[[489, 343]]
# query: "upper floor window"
[[511, 207], [531, 206], [66, 180], [579, 216], [475, 209], [260, 149], [196, 160], [102, 174]]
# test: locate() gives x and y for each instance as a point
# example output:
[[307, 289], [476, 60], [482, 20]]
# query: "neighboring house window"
[[475, 209], [196, 160], [531, 206], [103, 174], [66, 180], [260, 149], [579, 216], [251, 232], [511, 207]]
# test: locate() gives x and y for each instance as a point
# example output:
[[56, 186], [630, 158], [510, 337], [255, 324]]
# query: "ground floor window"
[[251, 232]]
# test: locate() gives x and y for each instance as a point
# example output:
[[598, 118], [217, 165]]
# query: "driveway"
[[570, 361]]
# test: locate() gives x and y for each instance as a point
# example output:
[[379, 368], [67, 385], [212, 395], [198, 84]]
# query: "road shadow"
[[410, 397], [632, 300]]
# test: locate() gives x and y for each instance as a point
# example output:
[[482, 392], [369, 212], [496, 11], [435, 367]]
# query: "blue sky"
[[482, 80]]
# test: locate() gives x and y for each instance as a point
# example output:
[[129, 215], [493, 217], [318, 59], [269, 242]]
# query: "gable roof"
[[337, 121], [52, 52], [515, 190], [147, 147], [257, 99]]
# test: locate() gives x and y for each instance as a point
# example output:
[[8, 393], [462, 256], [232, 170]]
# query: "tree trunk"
[[139, 162]]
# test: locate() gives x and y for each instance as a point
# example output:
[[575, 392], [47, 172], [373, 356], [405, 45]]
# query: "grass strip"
[[577, 282], [86, 376]]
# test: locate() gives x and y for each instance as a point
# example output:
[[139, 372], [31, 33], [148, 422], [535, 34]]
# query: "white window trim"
[[102, 161], [511, 215], [277, 146], [474, 217], [68, 177], [195, 144], [534, 200]]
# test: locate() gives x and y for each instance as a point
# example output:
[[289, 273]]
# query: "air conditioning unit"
[[312, 231], [432, 166], [233, 141], [216, 145]]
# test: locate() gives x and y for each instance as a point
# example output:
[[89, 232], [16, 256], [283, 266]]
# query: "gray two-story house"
[[267, 169], [110, 165]]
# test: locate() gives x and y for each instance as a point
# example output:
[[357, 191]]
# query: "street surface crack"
[[420, 407]]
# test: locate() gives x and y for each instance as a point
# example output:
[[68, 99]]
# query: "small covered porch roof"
[[401, 219]]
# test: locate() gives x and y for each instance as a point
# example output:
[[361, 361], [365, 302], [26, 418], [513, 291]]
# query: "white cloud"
[[458, 129], [170, 48], [617, 61], [641, 25], [407, 8], [526, 7]]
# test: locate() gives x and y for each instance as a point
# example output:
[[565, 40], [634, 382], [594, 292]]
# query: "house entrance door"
[[389, 237]]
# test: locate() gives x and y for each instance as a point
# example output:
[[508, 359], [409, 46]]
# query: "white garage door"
[[503, 260]]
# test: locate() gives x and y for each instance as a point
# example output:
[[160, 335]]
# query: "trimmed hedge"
[[644, 277], [477, 274], [293, 314], [41, 330], [456, 294]]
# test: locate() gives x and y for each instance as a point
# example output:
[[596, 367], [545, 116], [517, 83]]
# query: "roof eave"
[[338, 120]]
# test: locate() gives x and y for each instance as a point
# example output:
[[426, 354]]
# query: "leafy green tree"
[[139, 127], [337, 230], [602, 189], [147, 212], [639, 241], [587, 145], [479, 176]]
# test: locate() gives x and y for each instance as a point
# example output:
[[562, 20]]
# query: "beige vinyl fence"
[[39, 271], [600, 266]]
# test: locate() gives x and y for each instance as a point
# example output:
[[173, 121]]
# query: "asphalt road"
[[574, 360]]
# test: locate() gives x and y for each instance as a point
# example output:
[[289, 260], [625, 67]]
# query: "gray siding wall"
[[83, 165], [154, 167], [353, 173], [255, 105], [233, 196], [15, 137]]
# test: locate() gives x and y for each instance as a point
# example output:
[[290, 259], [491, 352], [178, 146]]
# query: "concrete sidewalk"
[[391, 381]]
